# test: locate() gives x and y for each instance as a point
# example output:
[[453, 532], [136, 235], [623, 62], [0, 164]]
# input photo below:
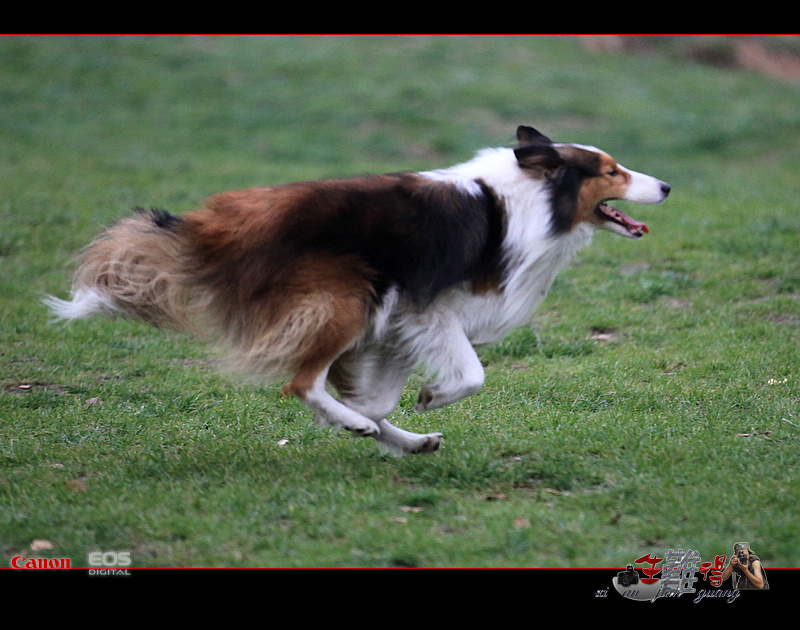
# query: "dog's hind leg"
[[327, 410], [371, 383], [345, 323]]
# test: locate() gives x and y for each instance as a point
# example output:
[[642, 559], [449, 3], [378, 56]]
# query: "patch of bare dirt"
[[776, 56]]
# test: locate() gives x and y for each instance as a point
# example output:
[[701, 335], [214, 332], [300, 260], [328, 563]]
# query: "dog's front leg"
[[449, 355]]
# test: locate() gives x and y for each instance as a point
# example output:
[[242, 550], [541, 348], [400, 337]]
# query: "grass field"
[[652, 405]]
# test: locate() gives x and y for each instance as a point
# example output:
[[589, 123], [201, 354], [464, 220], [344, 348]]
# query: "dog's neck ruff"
[[532, 254]]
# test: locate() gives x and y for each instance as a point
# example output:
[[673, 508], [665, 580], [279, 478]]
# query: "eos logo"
[[110, 559]]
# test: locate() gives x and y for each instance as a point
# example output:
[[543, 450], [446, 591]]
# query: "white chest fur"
[[489, 317]]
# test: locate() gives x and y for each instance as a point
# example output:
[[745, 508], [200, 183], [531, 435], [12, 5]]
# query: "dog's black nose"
[[665, 188]]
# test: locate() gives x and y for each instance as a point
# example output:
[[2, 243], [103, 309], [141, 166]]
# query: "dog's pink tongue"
[[631, 224]]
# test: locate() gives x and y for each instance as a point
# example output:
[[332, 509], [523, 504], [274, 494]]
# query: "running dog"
[[355, 282]]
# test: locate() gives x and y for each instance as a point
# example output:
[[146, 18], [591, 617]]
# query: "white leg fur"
[[448, 354], [376, 383], [399, 442], [329, 411]]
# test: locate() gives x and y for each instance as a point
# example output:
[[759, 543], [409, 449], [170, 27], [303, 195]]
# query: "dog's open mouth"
[[631, 227]]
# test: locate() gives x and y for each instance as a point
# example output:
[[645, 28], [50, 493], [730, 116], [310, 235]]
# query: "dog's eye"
[[613, 172]]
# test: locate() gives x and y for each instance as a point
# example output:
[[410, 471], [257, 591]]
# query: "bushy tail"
[[147, 267], [134, 268]]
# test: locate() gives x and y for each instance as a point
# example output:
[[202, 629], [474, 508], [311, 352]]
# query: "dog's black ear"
[[536, 150], [529, 135]]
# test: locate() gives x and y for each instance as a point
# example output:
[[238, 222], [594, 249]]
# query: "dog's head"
[[582, 180]]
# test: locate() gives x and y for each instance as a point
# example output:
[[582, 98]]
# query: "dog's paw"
[[425, 399], [363, 428], [430, 444], [416, 444]]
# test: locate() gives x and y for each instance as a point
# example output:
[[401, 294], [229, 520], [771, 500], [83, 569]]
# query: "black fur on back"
[[419, 235]]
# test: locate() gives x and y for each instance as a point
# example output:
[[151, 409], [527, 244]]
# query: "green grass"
[[654, 403]]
